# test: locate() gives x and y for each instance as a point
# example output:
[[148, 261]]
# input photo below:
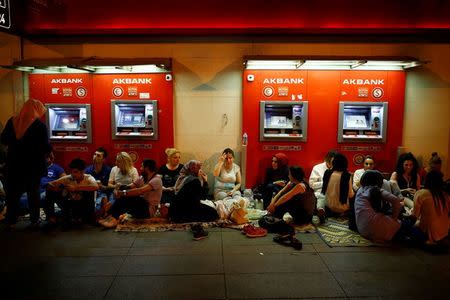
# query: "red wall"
[[99, 94], [323, 90]]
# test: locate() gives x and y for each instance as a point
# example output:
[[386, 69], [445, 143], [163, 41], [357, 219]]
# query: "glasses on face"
[[274, 161]]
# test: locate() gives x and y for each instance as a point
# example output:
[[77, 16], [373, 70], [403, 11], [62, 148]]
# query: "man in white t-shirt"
[[316, 177], [78, 195]]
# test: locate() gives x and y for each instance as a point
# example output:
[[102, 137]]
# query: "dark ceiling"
[[218, 19]]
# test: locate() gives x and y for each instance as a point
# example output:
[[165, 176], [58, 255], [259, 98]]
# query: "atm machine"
[[362, 122], [69, 122], [134, 119], [283, 121]]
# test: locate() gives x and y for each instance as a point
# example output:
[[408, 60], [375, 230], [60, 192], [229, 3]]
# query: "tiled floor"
[[96, 264]]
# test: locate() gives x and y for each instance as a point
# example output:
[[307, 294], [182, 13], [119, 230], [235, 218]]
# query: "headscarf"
[[282, 160], [30, 111], [189, 170]]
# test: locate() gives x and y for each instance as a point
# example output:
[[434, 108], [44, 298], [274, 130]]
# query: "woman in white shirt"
[[228, 176], [369, 164]]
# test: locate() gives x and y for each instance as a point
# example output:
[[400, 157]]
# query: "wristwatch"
[[124, 192]]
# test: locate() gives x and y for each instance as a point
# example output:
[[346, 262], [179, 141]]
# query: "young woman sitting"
[[291, 199], [431, 207]]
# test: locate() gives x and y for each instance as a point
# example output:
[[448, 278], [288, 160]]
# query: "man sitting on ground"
[[77, 197]]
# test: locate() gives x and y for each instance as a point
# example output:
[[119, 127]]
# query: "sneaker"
[[199, 232], [253, 232]]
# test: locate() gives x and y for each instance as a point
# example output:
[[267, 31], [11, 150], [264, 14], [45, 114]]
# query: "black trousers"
[[295, 209], [83, 208], [268, 193], [135, 206], [14, 189]]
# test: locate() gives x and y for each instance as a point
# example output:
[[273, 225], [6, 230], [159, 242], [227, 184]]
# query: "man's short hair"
[[78, 164], [102, 150], [149, 164]]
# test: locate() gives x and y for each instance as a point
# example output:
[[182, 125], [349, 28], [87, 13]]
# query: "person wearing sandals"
[[140, 199], [290, 199]]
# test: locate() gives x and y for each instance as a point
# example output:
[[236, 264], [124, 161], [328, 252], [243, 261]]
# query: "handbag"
[[238, 213]]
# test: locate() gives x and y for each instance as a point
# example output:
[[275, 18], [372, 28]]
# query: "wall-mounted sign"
[[5, 17]]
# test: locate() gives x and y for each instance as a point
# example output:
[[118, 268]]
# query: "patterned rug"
[[160, 224], [335, 233]]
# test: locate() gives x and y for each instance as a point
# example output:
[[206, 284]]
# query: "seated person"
[[276, 177], [336, 190], [316, 177], [121, 175], [190, 188], [406, 177], [141, 198], [100, 171], [292, 199], [372, 221], [431, 207], [169, 173], [77, 198], [54, 171], [435, 163], [368, 164], [227, 176]]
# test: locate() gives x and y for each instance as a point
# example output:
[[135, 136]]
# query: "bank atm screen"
[[134, 119], [69, 122], [282, 120], [362, 121]]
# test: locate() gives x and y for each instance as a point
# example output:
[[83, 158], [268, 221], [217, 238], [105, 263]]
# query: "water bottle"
[[244, 139]]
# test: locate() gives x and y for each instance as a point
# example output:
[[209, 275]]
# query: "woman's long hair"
[[399, 169], [340, 164], [125, 160], [435, 184], [374, 180]]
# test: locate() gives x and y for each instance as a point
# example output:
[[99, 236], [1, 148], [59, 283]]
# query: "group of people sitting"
[[381, 210]]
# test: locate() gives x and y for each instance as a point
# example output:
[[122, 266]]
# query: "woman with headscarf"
[[26, 137], [276, 177], [190, 188]]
